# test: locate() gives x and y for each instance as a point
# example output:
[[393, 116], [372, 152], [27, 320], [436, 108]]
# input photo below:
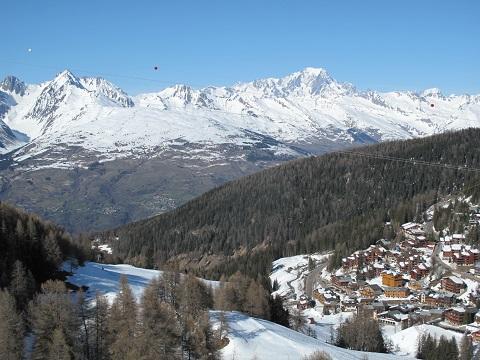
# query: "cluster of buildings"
[[398, 282], [455, 251], [391, 281]]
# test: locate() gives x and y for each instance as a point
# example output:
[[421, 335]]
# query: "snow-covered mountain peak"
[[65, 78], [315, 71], [13, 84], [309, 75], [180, 91], [64, 87], [68, 97], [307, 82], [432, 92], [103, 88], [180, 96]]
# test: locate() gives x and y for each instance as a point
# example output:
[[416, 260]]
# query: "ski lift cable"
[[405, 160]]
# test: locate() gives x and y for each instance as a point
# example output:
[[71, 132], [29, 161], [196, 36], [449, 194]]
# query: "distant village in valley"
[[419, 275]]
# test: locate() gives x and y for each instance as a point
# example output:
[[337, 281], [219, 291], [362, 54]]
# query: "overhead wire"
[[405, 160], [97, 73]]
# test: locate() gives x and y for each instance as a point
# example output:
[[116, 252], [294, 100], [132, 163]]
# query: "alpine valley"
[[83, 153]]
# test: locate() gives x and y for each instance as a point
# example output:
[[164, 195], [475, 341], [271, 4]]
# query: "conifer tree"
[[223, 326], [256, 301], [53, 309], [361, 333], [22, 285], [466, 348], [160, 330], [84, 319], [275, 285], [452, 353], [278, 314], [11, 328], [52, 250], [123, 323], [171, 283], [195, 297], [58, 349], [99, 331]]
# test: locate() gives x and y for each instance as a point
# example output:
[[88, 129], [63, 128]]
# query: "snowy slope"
[[10, 88], [104, 279], [407, 340], [249, 337], [304, 108], [252, 338]]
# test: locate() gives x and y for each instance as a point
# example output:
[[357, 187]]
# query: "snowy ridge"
[[305, 109]]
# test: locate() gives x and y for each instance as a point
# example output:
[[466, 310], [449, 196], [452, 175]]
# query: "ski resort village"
[[417, 281]]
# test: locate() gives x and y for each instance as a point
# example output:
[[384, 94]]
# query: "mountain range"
[[82, 152]]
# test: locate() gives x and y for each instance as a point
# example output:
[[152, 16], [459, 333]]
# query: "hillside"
[[90, 156], [255, 338], [31, 252], [335, 201], [249, 337]]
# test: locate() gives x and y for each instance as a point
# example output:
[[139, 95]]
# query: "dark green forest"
[[335, 202], [32, 251]]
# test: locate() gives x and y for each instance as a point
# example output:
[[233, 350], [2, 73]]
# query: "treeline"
[[335, 201], [429, 348], [31, 252], [455, 216], [171, 320]]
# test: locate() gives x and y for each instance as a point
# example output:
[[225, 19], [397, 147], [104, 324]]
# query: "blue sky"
[[382, 45]]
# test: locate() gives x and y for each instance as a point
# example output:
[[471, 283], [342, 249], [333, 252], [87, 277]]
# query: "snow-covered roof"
[[390, 272], [456, 280], [409, 225]]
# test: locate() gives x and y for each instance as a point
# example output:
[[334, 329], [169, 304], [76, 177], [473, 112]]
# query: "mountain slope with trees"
[[32, 251], [335, 201]]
